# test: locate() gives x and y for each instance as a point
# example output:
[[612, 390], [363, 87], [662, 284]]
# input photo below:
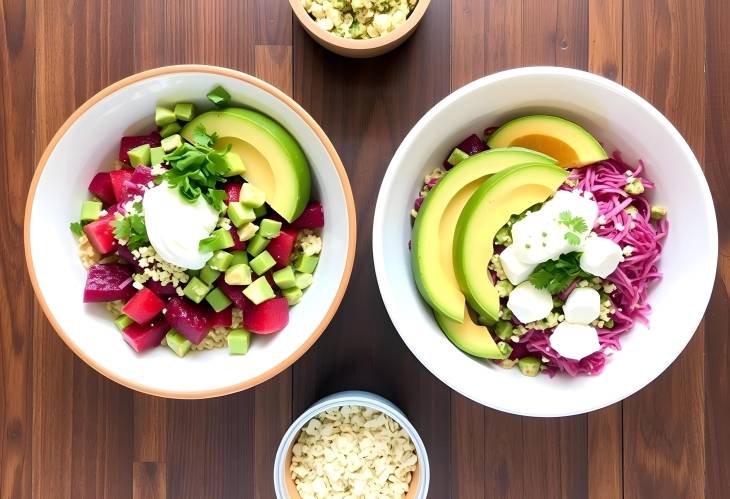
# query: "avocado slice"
[[564, 140], [433, 232], [274, 161], [506, 193], [469, 336]]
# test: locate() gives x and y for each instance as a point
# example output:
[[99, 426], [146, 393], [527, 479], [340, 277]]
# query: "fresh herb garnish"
[[132, 229], [77, 228], [219, 96], [576, 224], [556, 275]]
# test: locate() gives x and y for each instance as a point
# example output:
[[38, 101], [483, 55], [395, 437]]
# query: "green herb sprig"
[[132, 229], [556, 275], [77, 228], [577, 226]]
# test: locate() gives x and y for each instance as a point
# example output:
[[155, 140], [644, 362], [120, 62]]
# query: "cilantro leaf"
[[77, 229], [579, 225], [572, 238], [133, 230], [216, 198], [202, 138], [122, 229], [556, 275]]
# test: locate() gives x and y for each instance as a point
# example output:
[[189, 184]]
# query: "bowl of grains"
[[351, 444], [360, 28]]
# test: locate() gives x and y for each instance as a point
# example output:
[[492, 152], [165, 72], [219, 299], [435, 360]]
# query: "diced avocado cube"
[[456, 157], [239, 257], [284, 278], [208, 275], [256, 245], [140, 155], [196, 290], [503, 329], [171, 143], [529, 366], [218, 300], [658, 212], [220, 260], [505, 348], [193, 272], [306, 263], [238, 341], [252, 196], [269, 228], [184, 111], [292, 295], [247, 231], [234, 163], [219, 96], [240, 215], [218, 240], [122, 321], [238, 275], [259, 291], [635, 187], [164, 116], [169, 130], [263, 262], [90, 210], [177, 343], [303, 280], [157, 154], [260, 211]]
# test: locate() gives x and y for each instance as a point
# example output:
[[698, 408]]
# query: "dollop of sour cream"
[[175, 226]]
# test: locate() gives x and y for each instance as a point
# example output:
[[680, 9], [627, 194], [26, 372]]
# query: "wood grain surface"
[[67, 432]]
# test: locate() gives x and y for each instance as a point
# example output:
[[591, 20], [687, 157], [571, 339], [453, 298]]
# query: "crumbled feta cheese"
[[619, 226], [628, 250], [137, 285], [601, 219]]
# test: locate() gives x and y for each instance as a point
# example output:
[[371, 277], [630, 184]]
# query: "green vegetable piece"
[[193, 272], [292, 295], [261, 211], [208, 275], [221, 260], [76, 228], [609, 324], [238, 341], [503, 329], [284, 278], [357, 30], [164, 116], [239, 257], [185, 111], [196, 290], [238, 275], [218, 240], [259, 291], [157, 154], [219, 96], [269, 228], [247, 231], [529, 366], [234, 163], [504, 288], [90, 211], [659, 212], [218, 300], [140, 155], [505, 348], [240, 215], [252, 196], [169, 130], [122, 321], [303, 280], [306, 263], [177, 343], [635, 187], [456, 157], [171, 143], [503, 236], [256, 245], [262, 263]]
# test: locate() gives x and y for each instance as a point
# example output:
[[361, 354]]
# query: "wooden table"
[[67, 432]]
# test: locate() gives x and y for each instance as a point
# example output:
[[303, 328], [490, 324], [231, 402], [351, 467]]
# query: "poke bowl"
[[552, 219], [190, 231]]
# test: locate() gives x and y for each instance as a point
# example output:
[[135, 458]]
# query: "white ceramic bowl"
[[622, 121], [87, 143], [284, 485]]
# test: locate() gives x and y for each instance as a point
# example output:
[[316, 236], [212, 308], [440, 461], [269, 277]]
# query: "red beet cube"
[[118, 177], [281, 247], [311, 218], [234, 293], [268, 317], [143, 337], [108, 282], [189, 319], [101, 187], [224, 318], [143, 306], [101, 234], [127, 143], [233, 189], [238, 245]]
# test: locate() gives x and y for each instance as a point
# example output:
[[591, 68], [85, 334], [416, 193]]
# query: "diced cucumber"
[[218, 300], [171, 143], [208, 275], [456, 157], [218, 240], [240, 215], [239, 257], [90, 210], [140, 155], [292, 295], [177, 343], [157, 154], [122, 321], [303, 280], [251, 196], [284, 278], [256, 245], [220, 260], [238, 341], [306, 263], [263, 262], [269, 228], [196, 290], [164, 116], [169, 130], [185, 111]]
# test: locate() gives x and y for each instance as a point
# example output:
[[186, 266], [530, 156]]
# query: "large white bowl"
[[87, 143], [622, 121]]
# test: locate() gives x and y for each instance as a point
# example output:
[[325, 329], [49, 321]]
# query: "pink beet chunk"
[[127, 143], [160, 289], [143, 337], [108, 282], [118, 177], [101, 234], [234, 293], [189, 319], [233, 190], [281, 247], [224, 318], [143, 306], [311, 218], [101, 187], [268, 317], [238, 245]]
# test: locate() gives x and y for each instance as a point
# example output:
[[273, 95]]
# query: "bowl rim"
[[379, 218], [355, 44], [339, 168]]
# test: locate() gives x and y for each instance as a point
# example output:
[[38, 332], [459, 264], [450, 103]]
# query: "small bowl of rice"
[[351, 444]]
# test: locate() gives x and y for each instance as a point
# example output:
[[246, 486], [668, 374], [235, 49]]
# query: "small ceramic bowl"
[[360, 49], [283, 483], [87, 143]]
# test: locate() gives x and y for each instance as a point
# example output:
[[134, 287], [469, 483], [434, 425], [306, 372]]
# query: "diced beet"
[[233, 189], [234, 293], [311, 218], [142, 175], [130, 189], [108, 282], [489, 131], [101, 234], [160, 289], [126, 255], [118, 177], [143, 337], [268, 317], [143, 306], [472, 145], [101, 187], [238, 245], [127, 143], [189, 319], [224, 318], [281, 247]]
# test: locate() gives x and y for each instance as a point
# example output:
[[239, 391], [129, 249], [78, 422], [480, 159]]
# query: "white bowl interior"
[[89, 145], [622, 121]]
